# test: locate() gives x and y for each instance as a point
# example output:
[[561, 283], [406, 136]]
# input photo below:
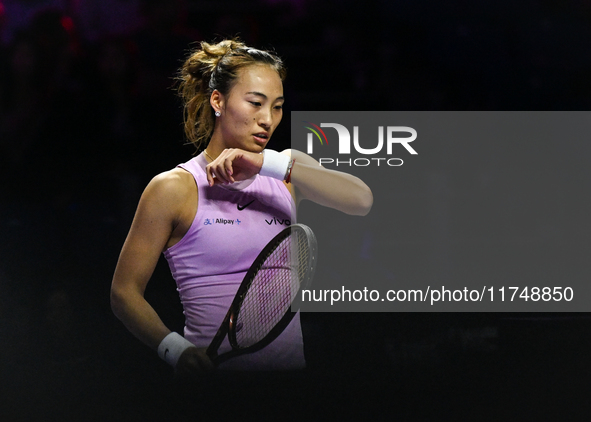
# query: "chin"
[[258, 148]]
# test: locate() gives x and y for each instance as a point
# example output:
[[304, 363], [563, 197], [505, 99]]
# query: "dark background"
[[87, 117]]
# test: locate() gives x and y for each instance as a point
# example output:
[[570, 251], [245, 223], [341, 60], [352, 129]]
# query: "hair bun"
[[215, 67]]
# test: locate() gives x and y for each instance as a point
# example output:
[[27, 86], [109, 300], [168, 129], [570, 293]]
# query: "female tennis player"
[[212, 215]]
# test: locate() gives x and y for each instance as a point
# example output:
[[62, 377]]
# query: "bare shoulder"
[[167, 196], [173, 185]]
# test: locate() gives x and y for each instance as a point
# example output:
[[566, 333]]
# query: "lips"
[[261, 137]]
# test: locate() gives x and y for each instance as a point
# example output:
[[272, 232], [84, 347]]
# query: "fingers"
[[217, 173], [194, 362], [222, 166], [234, 165], [228, 168], [221, 170], [211, 176]]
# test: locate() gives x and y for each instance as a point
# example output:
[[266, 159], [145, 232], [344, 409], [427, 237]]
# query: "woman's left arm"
[[329, 188], [309, 180]]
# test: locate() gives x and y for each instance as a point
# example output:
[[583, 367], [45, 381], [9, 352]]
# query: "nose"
[[265, 118]]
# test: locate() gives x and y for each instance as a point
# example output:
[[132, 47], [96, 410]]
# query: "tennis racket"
[[262, 307]]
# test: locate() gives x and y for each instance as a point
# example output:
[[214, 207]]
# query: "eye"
[[279, 107], [255, 103]]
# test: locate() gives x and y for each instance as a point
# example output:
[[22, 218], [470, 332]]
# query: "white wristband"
[[275, 164], [172, 347]]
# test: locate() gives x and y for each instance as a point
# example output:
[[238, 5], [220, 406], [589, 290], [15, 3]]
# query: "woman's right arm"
[[156, 223], [156, 217]]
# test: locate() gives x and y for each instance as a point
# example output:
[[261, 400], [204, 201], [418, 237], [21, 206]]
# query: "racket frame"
[[228, 326]]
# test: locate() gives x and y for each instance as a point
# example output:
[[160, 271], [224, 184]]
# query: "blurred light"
[[67, 23]]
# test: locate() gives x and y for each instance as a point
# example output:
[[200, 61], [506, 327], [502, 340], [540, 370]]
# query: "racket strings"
[[272, 290]]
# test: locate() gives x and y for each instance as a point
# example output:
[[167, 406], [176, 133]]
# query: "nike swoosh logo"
[[241, 207]]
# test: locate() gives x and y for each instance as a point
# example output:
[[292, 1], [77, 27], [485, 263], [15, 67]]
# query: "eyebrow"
[[260, 94]]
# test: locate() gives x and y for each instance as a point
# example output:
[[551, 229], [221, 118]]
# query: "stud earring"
[[218, 114]]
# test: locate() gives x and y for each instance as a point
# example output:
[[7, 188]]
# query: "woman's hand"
[[193, 363], [233, 165]]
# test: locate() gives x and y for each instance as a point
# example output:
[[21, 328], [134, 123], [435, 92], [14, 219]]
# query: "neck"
[[215, 146], [209, 157]]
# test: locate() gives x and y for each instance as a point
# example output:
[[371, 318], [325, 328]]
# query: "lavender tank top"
[[231, 227]]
